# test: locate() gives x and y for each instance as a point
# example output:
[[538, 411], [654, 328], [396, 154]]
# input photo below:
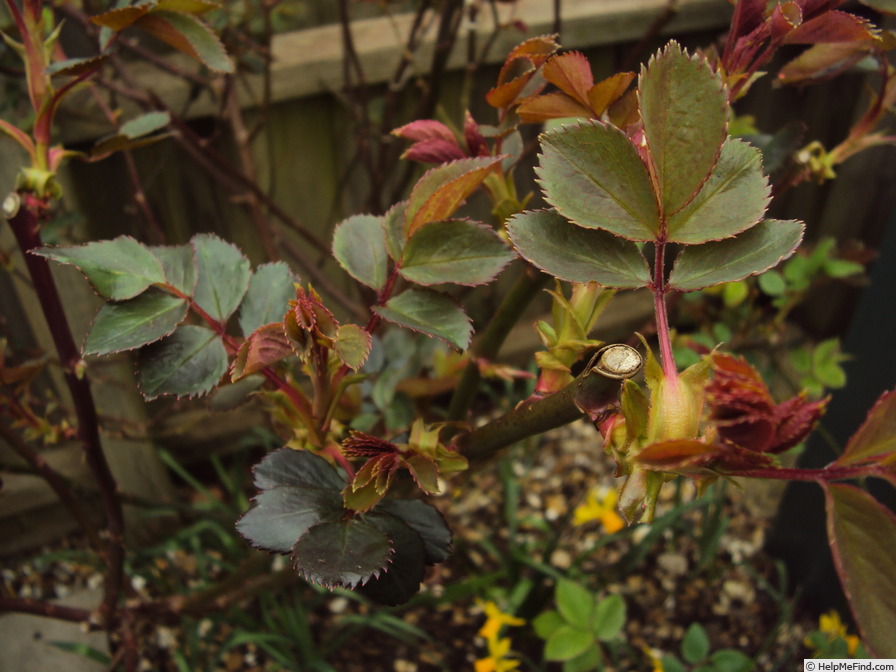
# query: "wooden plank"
[[310, 62]]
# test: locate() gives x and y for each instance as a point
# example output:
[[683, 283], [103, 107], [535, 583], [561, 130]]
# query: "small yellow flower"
[[495, 619], [655, 659], [498, 647], [831, 625], [599, 505]]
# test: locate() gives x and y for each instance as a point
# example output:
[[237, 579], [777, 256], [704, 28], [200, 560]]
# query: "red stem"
[[662, 318], [25, 224], [832, 472]]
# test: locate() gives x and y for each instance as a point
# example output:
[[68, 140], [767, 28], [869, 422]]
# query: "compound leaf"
[[753, 251], [359, 246], [189, 362], [431, 313], [684, 108], [271, 287], [222, 276], [592, 174], [572, 253], [457, 251], [134, 323], [118, 269]]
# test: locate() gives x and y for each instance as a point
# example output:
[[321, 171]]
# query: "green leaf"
[[573, 253], [402, 577], [425, 520], [876, 438], [179, 266], [352, 345], [343, 553], [222, 276], [431, 313], [587, 661], [281, 515], [575, 603], [566, 643], [684, 108], [886, 6], [118, 269], [609, 618], [359, 246], [265, 346], [136, 322], [299, 490], [754, 251], [733, 199], [271, 287], [546, 623], [188, 6], [393, 226], [442, 190], [695, 645], [299, 468], [189, 362], [842, 268], [729, 660], [862, 534], [457, 251], [133, 134], [772, 283], [592, 174], [189, 35], [672, 664]]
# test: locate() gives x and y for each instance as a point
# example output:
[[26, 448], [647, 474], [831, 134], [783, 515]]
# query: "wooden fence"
[[303, 157]]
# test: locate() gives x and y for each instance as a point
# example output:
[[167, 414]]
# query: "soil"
[[706, 566]]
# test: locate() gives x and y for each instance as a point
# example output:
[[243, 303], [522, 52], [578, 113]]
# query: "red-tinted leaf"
[[745, 414], [784, 18], [823, 61], [676, 455], [476, 145], [571, 73], [435, 150], [606, 92], [188, 35], [360, 444], [554, 105], [119, 19], [796, 418], [425, 129], [876, 438], [443, 190], [518, 70], [831, 27], [862, 534], [263, 347]]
